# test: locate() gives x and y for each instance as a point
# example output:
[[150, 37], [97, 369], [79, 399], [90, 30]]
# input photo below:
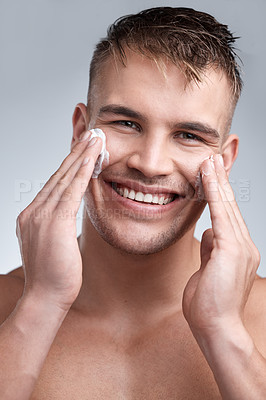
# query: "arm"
[[216, 295], [52, 264], [237, 365], [25, 339]]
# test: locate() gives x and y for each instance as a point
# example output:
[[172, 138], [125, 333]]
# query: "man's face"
[[158, 130]]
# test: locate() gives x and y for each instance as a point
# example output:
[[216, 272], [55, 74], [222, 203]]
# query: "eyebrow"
[[129, 113], [198, 127], [121, 110]]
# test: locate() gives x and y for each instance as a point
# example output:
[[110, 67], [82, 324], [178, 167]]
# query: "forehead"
[[162, 91]]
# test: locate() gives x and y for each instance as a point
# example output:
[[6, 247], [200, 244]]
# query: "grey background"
[[45, 48]]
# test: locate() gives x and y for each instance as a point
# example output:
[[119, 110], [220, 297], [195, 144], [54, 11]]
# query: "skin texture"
[[154, 312]]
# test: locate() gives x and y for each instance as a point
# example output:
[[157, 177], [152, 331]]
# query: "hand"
[[216, 294], [46, 229]]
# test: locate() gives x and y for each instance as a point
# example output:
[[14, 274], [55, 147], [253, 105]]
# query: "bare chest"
[[164, 364]]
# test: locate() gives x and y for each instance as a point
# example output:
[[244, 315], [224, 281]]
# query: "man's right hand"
[[46, 229]]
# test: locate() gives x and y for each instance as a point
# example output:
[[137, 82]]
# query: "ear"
[[80, 122], [230, 151]]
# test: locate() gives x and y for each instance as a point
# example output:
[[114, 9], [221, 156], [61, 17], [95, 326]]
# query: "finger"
[[221, 222], [228, 196], [242, 231], [206, 247], [75, 153], [63, 190], [71, 197]]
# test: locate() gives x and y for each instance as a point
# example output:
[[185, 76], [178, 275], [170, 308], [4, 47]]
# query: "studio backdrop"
[[45, 48]]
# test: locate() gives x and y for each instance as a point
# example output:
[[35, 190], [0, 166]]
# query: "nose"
[[151, 156]]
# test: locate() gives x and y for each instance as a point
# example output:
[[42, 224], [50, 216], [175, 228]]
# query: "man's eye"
[[128, 124], [189, 136]]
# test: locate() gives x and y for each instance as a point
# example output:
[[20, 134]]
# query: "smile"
[[161, 199]]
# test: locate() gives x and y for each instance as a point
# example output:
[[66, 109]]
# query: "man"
[[136, 307]]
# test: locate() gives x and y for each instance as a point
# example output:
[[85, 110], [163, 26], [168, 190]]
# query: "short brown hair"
[[192, 40]]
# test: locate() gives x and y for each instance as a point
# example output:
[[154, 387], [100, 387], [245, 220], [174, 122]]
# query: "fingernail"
[[211, 160], [85, 161], [92, 141], [208, 168], [221, 160], [84, 136]]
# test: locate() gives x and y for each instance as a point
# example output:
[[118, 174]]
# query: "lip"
[[145, 209]]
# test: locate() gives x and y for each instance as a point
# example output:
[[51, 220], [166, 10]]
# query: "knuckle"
[[68, 193], [75, 149], [254, 254], [63, 181], [18, 226], [257, 256], [56, 175], [22, 218]]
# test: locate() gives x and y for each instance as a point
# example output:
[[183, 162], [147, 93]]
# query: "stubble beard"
[[144, 245]]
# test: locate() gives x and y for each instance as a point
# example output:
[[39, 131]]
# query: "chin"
[[137, 246], [139, 239]]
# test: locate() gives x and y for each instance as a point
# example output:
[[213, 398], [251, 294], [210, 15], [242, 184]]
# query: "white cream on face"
[[104, 155]]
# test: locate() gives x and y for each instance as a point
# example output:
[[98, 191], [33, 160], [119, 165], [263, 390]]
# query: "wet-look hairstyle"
[[190, 39]]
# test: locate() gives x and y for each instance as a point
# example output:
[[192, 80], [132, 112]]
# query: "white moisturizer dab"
[[209, 158], [104, 155]]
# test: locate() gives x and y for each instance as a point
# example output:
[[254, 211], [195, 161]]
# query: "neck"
[[136, 286]]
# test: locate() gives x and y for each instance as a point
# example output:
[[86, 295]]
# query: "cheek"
[[190, 168], [118, 146]]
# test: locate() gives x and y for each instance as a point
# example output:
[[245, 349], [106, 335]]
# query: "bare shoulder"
[[255, 315], [11, 289]]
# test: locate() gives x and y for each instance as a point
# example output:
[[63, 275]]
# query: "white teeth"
[[147, 198], [126, 192], [131, 195], [141, 197], [155, 199], [161, 199], [166, 201]]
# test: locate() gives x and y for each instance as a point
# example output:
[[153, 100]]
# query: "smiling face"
[[159, 129]]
